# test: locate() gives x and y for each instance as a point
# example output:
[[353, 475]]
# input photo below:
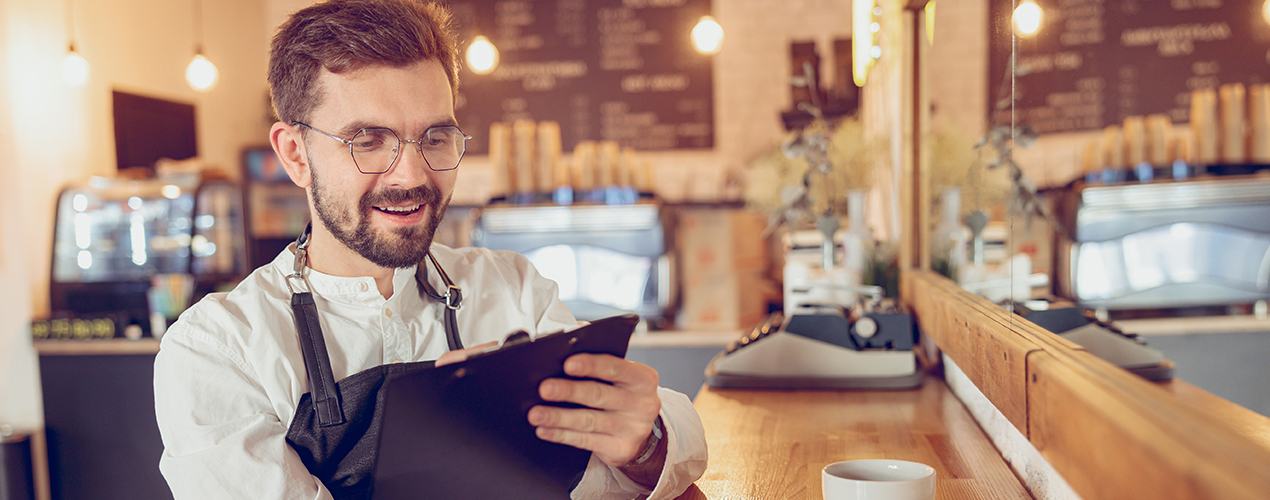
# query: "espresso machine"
[[1173, 244], [608, 260]]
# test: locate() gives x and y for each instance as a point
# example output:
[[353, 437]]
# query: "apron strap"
[[317, 363], [452, 299]]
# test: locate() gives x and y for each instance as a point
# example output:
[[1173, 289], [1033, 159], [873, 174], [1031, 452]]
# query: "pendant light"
[[74, 66], [707, 36], [1027, 19], [863, 52], [201, 74], [482, 56], [930, 22]]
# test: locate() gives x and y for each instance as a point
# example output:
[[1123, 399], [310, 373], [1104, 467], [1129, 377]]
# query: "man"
[[350, 80]]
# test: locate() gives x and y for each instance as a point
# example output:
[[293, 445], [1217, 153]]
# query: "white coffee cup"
[[878, 480]]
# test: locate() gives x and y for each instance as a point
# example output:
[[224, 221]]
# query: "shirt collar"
[[358, 290]]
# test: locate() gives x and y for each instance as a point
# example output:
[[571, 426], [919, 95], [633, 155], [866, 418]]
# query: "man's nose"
[[411, 168]]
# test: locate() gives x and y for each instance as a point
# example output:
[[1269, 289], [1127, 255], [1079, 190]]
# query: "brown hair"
[[347, 35]]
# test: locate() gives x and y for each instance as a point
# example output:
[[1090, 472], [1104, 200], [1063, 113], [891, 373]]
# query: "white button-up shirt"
[[229, 373]]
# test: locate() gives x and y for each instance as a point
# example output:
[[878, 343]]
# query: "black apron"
[[336, 426]]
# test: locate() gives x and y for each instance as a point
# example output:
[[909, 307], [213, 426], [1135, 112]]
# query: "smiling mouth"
[[406, 210]]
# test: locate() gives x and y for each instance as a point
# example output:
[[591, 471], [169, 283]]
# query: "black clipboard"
[[462, 430]]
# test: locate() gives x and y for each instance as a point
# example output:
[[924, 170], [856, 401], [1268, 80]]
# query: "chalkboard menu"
[[1095, 62], [621, 70]]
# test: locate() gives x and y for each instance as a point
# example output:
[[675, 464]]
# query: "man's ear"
[[288, 142]]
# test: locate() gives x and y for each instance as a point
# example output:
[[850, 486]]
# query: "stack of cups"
[[1259, 124], [1204, 126], [1233, 148]]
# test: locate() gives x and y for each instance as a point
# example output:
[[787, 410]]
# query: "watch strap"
[[654, 439]]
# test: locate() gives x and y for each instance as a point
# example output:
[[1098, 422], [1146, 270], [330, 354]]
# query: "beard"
[[401, 247]]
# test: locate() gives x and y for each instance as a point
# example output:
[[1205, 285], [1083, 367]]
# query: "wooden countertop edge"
[[96, 347], [1077, 406]]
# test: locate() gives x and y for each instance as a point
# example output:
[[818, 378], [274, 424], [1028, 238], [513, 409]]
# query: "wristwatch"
[[654, 439]]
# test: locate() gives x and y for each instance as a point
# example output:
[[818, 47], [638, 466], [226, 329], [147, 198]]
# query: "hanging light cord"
[[198, 27], [70, 23]]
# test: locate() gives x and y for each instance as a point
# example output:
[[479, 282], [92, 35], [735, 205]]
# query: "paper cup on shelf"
[[878, 480]]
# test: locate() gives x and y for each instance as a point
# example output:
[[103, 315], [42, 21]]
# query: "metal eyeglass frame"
[[397, 155]]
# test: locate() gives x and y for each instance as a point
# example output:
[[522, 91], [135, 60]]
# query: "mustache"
[[426, 194]]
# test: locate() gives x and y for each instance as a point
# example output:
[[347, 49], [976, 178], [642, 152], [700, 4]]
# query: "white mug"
[[878, 480]]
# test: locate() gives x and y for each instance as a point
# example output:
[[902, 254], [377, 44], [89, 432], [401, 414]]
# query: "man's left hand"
[[619, 418]]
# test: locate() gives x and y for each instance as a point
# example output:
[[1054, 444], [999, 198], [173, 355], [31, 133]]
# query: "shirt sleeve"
[[685, 458], [221, 437]]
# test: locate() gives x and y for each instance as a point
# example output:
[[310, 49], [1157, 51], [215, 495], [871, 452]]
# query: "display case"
[[277, 209], [114, 240]]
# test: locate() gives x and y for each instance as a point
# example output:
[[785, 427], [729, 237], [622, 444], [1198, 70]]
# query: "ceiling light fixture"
[[707, 36], [482, 56], [1027, 18], [74, 66], [201, 74], [862, 12]]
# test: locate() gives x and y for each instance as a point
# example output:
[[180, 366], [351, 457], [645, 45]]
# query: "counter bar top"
[[96, 347], [773, 444]]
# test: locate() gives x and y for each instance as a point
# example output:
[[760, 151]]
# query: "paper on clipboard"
[[462, 430]]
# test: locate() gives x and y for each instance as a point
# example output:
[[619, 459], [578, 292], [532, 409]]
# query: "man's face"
[[387, 218]]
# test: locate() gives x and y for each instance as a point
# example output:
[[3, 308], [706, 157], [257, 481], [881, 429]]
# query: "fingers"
[[608, 448], [462, 354], [614, 438], [584, 420], [611, 369], [584, 392]]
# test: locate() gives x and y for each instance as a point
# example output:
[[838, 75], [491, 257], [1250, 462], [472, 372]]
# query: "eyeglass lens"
[[375, 150]]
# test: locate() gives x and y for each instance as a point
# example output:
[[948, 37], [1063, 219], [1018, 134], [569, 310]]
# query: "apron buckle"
[[453, 297]]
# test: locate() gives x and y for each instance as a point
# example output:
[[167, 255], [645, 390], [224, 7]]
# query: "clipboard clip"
[[519, 337]]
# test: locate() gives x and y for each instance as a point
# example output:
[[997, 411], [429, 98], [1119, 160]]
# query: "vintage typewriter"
[[818, 346]]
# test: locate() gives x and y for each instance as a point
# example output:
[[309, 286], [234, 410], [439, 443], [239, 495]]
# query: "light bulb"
[[1265, 11], [930, 22], [74, 69], [862, 12], [707, 36], [201, 74], [482, 56], [1027, 18]]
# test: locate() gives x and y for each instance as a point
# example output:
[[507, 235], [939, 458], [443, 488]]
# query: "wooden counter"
[[96, 347], [773, 444]]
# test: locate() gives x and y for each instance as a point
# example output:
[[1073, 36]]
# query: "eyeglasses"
[[375, 150]]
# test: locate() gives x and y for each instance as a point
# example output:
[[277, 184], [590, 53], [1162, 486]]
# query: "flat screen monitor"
[[147, 129]]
